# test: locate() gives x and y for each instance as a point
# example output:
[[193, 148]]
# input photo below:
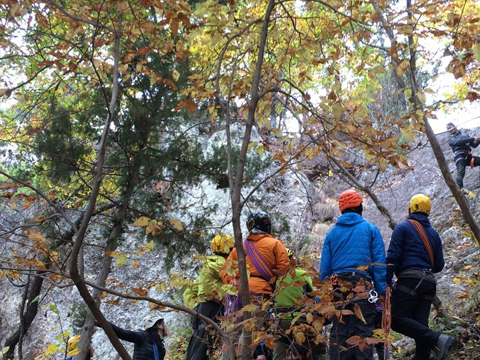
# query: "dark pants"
[[410, 312], [461, 166], [351, 325], [201, 342]]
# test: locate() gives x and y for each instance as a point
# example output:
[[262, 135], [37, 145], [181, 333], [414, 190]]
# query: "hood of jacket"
[[350, 219], [421, 218]]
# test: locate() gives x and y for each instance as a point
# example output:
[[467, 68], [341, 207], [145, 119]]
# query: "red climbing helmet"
[[349, 199]]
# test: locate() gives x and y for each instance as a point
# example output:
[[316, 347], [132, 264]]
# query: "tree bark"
[[74, 262], [237, 179], [132, 179], [34, 289]]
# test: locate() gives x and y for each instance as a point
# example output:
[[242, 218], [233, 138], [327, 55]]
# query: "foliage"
[[328, 71]]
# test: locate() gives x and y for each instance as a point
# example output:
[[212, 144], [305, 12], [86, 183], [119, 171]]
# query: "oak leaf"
[[140, 291]]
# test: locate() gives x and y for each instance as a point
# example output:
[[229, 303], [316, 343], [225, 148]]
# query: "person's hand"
[[476, 138], [380, 301]]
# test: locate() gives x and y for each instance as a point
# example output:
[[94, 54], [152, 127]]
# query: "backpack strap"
[[423, 235], [258, 261]]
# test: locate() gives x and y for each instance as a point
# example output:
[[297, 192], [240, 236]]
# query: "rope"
[[387, 320]]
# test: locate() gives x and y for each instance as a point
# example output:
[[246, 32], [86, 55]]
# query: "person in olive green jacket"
[[288, 305], [206, 297]]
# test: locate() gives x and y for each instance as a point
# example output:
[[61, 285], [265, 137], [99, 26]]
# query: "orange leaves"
[[139, 291], [358, 313], [190, 105]]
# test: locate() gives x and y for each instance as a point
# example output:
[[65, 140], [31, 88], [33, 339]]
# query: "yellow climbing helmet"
[[222, 243], [420, 203]]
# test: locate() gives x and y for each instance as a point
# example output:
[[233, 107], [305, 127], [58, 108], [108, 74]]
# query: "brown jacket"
[[273, 252]]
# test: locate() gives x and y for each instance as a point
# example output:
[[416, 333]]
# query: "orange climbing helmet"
[[349, 199]]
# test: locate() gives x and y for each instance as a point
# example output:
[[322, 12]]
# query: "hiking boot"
[[443, 346]]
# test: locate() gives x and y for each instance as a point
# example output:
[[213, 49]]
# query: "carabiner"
[[372, 296]]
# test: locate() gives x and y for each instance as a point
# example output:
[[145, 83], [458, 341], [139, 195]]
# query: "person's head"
[[222, 244], [259, 222], [350, 201], [420, 203], [155, 323], [451, 128]]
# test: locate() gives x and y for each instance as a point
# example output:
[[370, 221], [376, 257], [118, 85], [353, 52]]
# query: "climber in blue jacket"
[[353, 256]]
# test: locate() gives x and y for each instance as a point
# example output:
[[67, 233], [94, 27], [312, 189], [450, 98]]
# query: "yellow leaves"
[[401, 68], [51, 349], [176, 224], [337, 111], [121, 261], [141, 221], [382, 163], [34, 235], [300, 337], [457, 281], [318, 323], [407, 93], [74, 352], [150, 245], [154, 227], [113, 254], [476, 51], [408, 133], [250, 308]]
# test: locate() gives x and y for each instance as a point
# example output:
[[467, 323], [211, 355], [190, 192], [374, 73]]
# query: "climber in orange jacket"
[[266, 257]]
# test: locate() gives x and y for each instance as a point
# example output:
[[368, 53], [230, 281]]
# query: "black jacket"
[[143, 349], [407, 251], [461, 145]]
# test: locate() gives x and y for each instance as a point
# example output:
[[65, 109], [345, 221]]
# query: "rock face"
[[302, 210]]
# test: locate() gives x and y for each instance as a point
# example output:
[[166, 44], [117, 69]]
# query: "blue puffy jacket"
[[407, 251], [352, 244]]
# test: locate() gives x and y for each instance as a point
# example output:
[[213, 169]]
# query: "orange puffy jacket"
[[273, 252]]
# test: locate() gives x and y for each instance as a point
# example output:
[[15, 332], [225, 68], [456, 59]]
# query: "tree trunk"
[[34, 289], [237, 179], [132, 180]]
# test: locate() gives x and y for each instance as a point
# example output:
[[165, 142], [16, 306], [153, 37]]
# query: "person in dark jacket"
[[148, 342], [353, 256], [411, 261], [462, 145]]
